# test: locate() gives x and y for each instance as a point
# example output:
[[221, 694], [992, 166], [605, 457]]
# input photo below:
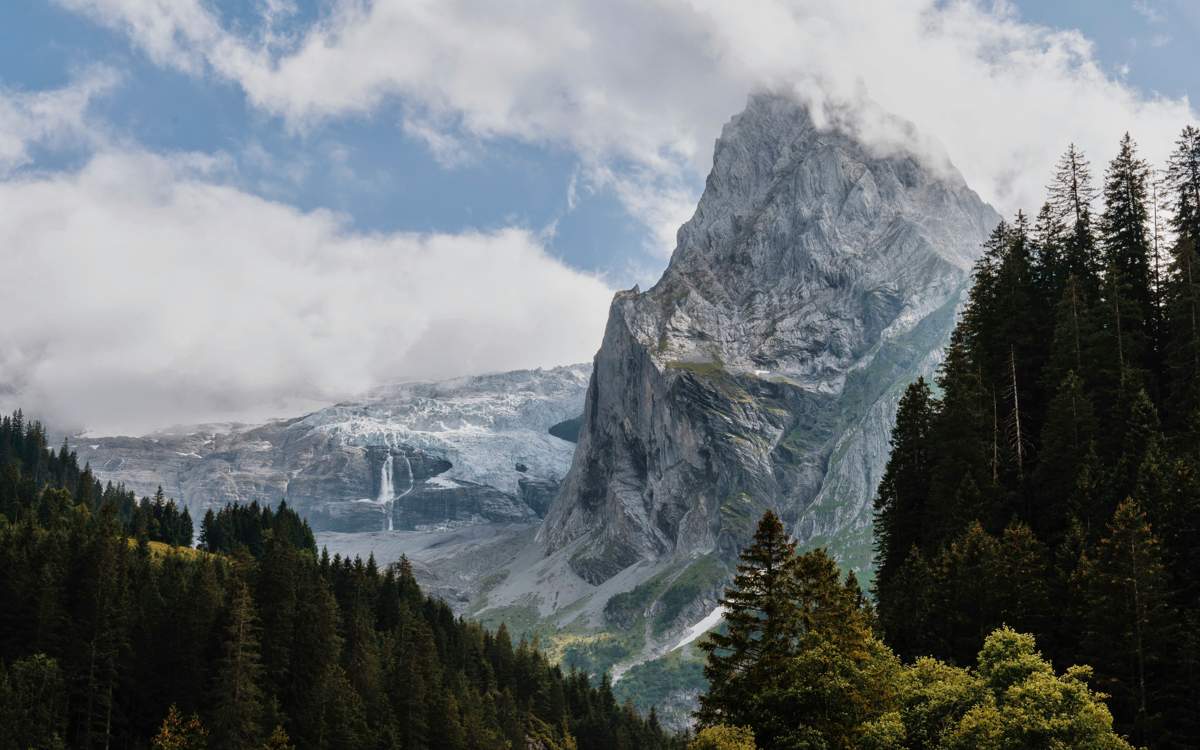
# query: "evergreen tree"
[[839, 681], [1182, 284], [1022, 581], [960, 461], [32, 704], [1071, 195], [1127, 255], [761, 626], [900, 502], [238, 710], [1067, 434], [178, 733], [1129, 630]]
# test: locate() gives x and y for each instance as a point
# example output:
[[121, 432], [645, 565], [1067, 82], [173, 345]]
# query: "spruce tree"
[[1129, 630], [761, 611], [238, 698], [1071, 195], [904, 489], [1067, 433], [1127, 257], [1182, 283], [1022, 578]]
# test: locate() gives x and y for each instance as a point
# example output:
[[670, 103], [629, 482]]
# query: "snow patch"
[[441, 483], [709, 622]]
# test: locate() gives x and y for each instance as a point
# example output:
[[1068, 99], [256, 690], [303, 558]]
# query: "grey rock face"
[[427, 455], [814, 281]]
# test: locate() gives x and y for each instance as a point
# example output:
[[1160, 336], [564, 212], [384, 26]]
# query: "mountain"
[[817, 278], [761, 371], [414, 456]]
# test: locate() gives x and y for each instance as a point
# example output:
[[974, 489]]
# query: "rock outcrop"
[[817, 278]]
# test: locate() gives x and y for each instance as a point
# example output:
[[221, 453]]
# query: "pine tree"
[[32, 704], [965, 595], [761, 626], [1127, 258], [1182, 284], [1021, 579], [1067, 433], [1049, 265], [960, 448], [900, 502], [1141, 435], [278, 740], [238, 697], [1129, 629], [1071, 195]]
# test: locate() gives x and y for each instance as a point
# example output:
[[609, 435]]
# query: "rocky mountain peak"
[[817, 276]]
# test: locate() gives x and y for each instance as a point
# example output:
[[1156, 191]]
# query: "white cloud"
[[142, 291], [1146, 10], [49, 118], [649, 84]]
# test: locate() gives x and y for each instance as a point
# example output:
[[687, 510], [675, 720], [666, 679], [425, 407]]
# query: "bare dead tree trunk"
[[995, 440], [1075, 325], [1120, 334], [1019, 443]]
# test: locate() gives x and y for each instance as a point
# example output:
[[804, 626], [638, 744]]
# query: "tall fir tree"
[[1071, 195], [238, 706], [761, 611], [1181, 295], [1125, 240], [1129, 630], [1067, 434], [900, 502]]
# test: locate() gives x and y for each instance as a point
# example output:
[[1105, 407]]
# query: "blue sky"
[[560, 140], [364, 166], [368, 168]]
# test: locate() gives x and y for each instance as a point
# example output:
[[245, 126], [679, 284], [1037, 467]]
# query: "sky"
[[237, 209]]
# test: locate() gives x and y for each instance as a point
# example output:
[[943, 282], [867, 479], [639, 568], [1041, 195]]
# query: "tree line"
[[41, 483], [247, 528], [1050, 478], [106, 641]]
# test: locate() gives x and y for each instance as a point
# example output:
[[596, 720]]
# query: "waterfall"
[[387, 492], [408, 470]]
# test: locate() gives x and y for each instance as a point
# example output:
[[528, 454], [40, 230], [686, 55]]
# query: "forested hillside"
[[110, 638], [1051, 479]]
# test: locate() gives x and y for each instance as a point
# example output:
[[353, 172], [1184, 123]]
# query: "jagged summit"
[[817, 276]]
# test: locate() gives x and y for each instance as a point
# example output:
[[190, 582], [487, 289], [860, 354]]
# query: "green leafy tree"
[[723, 737], [1028, 705]]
